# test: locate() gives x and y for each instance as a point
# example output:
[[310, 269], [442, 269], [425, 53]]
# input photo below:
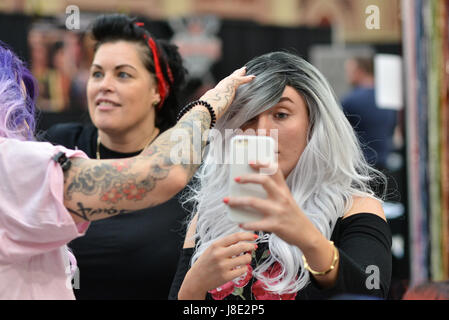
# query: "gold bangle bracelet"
[[322, 273]]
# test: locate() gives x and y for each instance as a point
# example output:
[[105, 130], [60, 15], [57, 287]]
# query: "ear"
[[155, 90], [156, 97]]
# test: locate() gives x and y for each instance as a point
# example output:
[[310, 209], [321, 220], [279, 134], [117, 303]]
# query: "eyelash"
[[276, 115], [284, 115], [95, 74], [122, 72]]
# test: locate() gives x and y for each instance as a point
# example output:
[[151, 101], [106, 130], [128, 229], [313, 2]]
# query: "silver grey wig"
[[330, 171]]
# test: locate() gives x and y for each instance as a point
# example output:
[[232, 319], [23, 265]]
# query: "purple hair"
[[17, 112]]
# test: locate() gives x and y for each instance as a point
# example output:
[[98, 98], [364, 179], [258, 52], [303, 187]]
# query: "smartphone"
[[245, 149]]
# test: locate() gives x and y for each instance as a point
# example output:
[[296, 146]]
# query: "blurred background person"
[[40, 66], [374, 126], [59, 77]]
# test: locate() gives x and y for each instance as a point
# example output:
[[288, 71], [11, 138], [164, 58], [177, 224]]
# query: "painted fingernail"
[[226, 200], [256, 246], [237, 179], [256, 236]]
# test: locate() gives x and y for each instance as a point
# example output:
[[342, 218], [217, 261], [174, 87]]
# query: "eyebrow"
[[285, 99], [117, 67]]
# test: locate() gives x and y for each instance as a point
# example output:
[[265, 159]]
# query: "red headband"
[[162, 85]]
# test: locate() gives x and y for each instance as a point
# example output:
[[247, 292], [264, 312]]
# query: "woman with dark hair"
[[133, 95], [49, 194]]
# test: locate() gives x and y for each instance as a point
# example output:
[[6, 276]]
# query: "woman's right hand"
[[221, 96], [224, 260]]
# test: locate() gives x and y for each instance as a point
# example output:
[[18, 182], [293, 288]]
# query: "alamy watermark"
[[372, 21], [72, 20], [182, 153], [373, 279]]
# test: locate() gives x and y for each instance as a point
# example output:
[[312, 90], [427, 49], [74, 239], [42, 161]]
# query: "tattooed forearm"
[[98, 178], [134, 183], [222, 98], [121, 181], [194, 127], [112, 181]]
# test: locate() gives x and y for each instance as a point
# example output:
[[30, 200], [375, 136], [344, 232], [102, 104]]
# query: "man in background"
[[374, 126]]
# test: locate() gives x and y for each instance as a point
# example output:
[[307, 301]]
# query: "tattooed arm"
[[98, 189]]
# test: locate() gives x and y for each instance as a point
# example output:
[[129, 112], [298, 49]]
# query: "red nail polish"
[[237, 179], [226, 200], [256, 236]]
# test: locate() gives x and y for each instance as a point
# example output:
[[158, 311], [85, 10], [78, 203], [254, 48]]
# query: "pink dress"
[[34, 224]]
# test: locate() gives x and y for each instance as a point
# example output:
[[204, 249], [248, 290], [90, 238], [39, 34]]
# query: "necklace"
[[154, 135]]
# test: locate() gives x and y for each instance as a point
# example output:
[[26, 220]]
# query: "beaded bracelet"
[[195, 103]]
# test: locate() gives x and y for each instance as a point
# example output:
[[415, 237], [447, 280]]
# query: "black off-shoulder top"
[[365, 266]]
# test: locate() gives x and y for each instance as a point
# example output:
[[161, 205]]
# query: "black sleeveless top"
[[365, 266]]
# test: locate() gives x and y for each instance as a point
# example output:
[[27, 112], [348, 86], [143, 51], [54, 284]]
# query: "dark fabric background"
[[13, 31]]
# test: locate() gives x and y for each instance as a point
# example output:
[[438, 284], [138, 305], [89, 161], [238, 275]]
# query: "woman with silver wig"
[[322, 233]]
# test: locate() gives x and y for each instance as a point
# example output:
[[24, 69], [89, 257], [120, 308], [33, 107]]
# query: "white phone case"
[[243, 150]]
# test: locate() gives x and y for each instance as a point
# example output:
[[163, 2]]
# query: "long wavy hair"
[[330, 171], [17, 106]]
